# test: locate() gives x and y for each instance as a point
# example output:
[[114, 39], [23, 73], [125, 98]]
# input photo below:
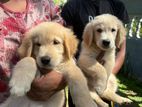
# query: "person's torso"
[[14, 24], [87, 10]]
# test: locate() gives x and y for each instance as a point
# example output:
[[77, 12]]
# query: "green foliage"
[[60, 2], [141, 30], [134, 26], [130, 88], [136, 22]]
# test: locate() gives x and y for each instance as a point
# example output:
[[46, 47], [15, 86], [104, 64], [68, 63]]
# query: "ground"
[[130, 88]]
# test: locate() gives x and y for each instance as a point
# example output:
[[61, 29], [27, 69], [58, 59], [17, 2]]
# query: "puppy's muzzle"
[[105, 43], [45, 60]]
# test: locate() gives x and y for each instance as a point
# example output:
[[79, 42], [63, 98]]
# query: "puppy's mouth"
[[44, 64], [105, 45], [104, 48], [44, 70]]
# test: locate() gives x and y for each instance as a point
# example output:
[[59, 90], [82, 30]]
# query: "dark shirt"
[[78, 13]]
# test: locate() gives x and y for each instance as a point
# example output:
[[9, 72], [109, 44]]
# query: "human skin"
[[45, 86], [120, 57]]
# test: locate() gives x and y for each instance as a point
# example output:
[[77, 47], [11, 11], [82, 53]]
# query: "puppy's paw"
[[23, 74], [19, 88], [101, 85], [18, 91], [99, 90], [123, 100], [126, 101], [105, 105]]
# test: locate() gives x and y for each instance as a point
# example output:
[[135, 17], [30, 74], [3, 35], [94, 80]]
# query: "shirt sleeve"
[[122, 13]]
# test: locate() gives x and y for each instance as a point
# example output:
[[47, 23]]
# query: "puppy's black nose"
[[106, 43], [45, 60]]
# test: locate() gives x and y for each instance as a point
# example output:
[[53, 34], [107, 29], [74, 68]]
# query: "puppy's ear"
[[25, 48], [120, 34], [88, 34], [70, 44]]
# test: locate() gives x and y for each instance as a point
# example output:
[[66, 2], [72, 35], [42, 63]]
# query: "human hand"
[[44, 87]]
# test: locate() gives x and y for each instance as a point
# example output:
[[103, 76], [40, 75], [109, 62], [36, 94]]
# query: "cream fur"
[[102, 83]]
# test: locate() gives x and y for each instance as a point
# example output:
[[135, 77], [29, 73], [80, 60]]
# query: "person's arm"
[[120, 57], [122, 14]]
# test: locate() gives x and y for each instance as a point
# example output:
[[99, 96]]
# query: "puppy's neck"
[[95, 52]]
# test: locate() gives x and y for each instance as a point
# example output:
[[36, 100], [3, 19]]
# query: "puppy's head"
[[50, 44], [105, 32]]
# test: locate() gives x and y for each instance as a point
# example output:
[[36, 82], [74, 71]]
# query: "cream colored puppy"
[[100, 38], [48, 46]]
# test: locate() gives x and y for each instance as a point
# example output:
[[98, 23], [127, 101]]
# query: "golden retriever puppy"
[[100, 39], [48, 46]]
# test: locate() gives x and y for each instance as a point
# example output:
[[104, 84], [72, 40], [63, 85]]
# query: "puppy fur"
[[48, 46], [103, 34]]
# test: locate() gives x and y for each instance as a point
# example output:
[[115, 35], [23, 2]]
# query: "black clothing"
[[78, 13]]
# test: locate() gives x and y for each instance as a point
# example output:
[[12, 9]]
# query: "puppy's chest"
[[105, 58]]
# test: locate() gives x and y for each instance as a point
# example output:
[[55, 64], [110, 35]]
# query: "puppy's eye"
[[99, 30], [56, 42], [38, 44], [113, 30]]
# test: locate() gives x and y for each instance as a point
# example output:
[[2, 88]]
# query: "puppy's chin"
[[45, 69], [104, 48]]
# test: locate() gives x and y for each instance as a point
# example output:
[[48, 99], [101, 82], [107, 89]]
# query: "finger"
[[40, 95], [50, 81]]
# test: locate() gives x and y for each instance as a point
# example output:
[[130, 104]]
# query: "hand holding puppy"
[[45, 86]]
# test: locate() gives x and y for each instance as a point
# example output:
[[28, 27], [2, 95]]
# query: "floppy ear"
[[120, 34], [25, 48], [70, 44], [88, 34]]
